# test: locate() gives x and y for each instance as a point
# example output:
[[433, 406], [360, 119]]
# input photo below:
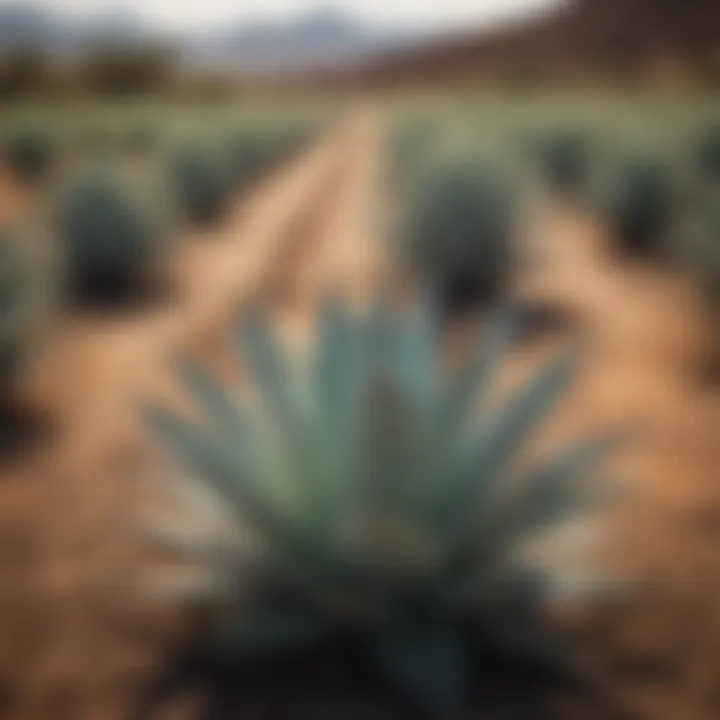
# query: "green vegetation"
[[459, 226], [201, 183], [564, 159], [206, 175], [386, 502], [707, 153], [29, 155], [108, 238], [641, 207]]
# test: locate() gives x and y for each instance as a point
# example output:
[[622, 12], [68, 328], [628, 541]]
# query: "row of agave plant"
[[375, 510], [109, 208], [459, 208]]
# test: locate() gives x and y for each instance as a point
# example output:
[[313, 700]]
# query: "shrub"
[[459, 225], [201, 182], [29, 155], [250, 154], [564, 160], [386, 505], [109, 240], [640, 207]]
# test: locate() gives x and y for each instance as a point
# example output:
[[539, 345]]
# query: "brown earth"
[[646, 336]]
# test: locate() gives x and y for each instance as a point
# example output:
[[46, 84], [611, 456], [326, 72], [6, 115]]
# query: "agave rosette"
[[385, 495]]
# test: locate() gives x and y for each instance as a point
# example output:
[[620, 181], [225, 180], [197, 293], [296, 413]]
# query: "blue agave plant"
[[387, 497]]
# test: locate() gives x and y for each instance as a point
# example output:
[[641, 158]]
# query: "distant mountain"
[[579, 37], [24, 25], [298, 45], [316, 40]]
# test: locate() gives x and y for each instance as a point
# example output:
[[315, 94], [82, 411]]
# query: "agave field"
[[405, 411]]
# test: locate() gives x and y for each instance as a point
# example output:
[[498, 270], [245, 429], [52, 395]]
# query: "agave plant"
[[411, 140], [706, 153], [459, 226], [641, 207], [29, 155], [564, 159], [707, 255], [110, 242], [250, 155], [386, 499], [201, 183]]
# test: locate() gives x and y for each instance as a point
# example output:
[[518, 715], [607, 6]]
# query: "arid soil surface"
[[74, 645], [645, 337]]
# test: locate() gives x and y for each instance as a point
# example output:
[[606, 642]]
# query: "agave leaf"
[[418, 346], [428, 663], [389, 438], [463, 394], [226, 414], [224, 471], [279, 386], [264, 358], [381, 341], [202, 547], [337, 375], [481, 471], [542, 497], [546, 493], [524, 644], [292, 542]]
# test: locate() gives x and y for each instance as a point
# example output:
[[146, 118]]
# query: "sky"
[[194, 14]]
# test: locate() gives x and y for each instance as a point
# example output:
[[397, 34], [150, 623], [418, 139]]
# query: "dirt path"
[[646, 337], [64, 651], [341, 253]]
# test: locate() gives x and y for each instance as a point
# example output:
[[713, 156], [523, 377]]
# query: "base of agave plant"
[[22, 427], [538, 319], [333, 682], [640, 243], [112, 292], [465, 293]]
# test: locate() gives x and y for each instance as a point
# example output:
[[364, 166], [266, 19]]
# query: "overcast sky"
[[189, 14]]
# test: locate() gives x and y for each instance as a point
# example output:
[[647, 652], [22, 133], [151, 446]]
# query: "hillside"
[[301, 44], [606, 37]]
